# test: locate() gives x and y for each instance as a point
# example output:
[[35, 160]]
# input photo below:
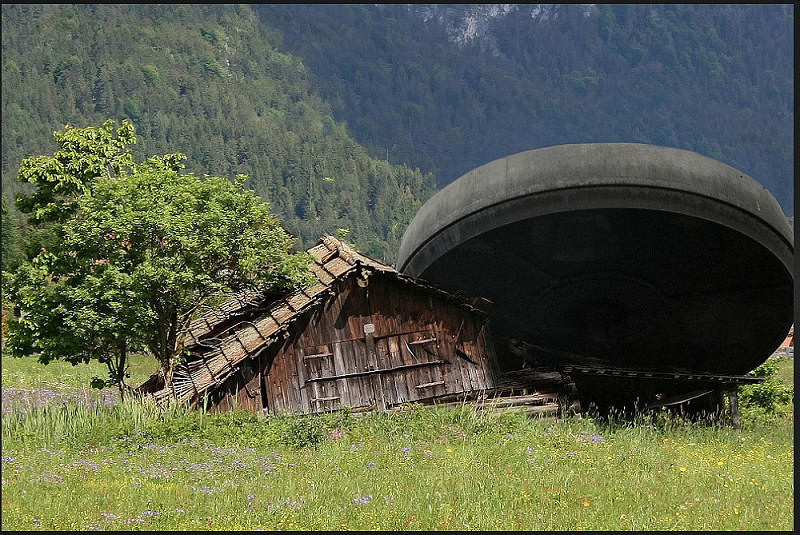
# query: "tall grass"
[[137, 466], [50, 425]]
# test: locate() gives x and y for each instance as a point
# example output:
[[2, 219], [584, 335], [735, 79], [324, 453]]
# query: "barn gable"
[[363, 335]]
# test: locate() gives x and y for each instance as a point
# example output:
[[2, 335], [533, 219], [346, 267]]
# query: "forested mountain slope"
[[267, 90], [206, 81], [450, 87]]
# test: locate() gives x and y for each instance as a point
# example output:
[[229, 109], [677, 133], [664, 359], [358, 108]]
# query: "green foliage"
[[768, 395], [304, 432], [12, 240], [684, 76], [207, 81], [140, 255], [84, 155]]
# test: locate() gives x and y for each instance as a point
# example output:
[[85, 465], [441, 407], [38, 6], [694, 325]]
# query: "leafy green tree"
[[84, 155], [144, 249]]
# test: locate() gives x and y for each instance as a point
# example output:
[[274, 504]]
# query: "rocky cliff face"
[[466, 23]]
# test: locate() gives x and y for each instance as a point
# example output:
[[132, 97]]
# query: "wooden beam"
[[317, 356], [429, 385], [370, 372], [320, 400]]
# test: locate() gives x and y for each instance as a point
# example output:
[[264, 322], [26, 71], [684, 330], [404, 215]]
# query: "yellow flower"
[[449, 450], [736, 510], [720, 463], [683, 468], [585, 502]]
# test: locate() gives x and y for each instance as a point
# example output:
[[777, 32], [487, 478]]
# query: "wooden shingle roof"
[[212, 360]]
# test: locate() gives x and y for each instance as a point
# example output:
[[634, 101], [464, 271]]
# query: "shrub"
[[304, 431], [769, 394]]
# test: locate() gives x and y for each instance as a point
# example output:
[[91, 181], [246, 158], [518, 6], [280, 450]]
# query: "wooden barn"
[[363, 336]]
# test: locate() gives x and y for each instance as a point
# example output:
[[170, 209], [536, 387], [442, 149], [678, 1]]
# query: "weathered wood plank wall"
[[376, 342]]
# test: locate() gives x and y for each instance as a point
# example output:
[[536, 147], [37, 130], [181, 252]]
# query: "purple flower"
[[90, 465], [336, 434], [372, 465], [363, 500], [292, 503], [572, 454]]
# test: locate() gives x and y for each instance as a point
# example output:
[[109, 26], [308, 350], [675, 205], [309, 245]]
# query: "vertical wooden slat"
[[377, 379], [469, 379], [336, 325]]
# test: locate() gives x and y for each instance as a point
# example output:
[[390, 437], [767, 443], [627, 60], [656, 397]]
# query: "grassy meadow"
[[77, 459]]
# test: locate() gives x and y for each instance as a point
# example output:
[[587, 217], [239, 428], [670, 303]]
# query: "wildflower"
[[90, 465], [372, 465], [572, 454], [720, 463], [682, 468], [181, 511], [585, 502], [449, 450], [110, 516], [336, 434], [363, 500]]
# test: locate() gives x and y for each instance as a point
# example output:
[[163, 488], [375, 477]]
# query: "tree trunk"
[[121, 363]]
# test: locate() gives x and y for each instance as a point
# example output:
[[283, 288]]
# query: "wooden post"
[[733, 397], [372, 357]]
